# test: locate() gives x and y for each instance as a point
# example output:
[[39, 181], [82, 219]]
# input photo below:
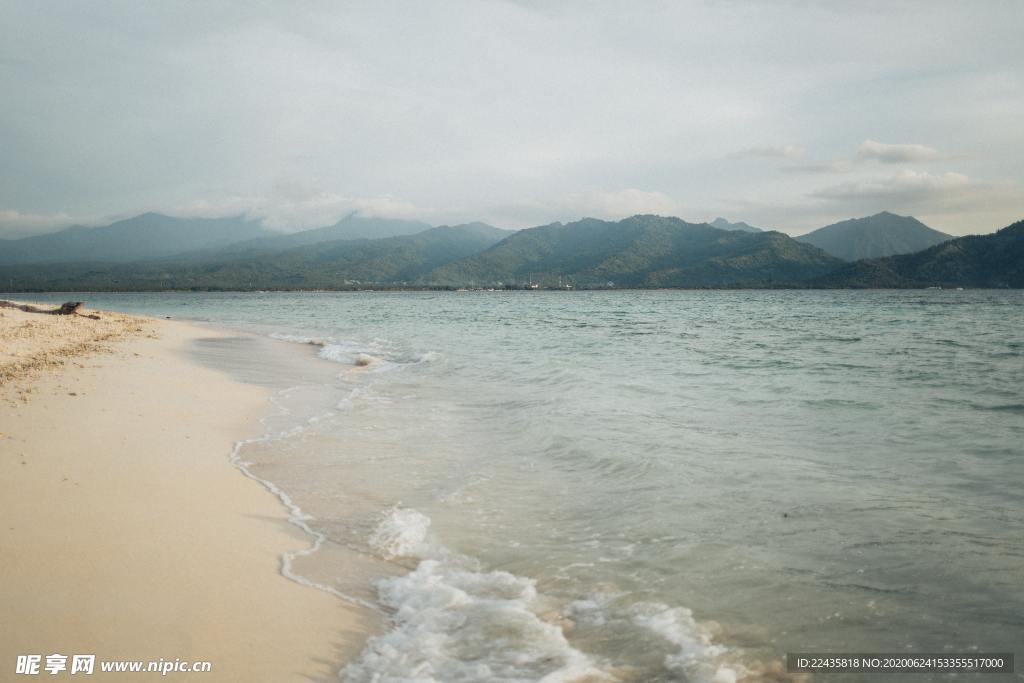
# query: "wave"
[[456, 622], [373, 356]]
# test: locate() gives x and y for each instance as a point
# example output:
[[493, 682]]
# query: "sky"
[[788, 115]]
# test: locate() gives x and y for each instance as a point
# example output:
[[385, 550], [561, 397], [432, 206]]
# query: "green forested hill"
[[641, 251], [995, 260], [326, 265], [351, 227]]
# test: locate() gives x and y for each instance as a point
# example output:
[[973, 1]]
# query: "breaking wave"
[[457, 622]]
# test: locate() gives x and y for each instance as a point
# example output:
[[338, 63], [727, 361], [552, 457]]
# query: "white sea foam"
[[402, 533], [378, 354], [297, 339], [455, 623], [698, 657]]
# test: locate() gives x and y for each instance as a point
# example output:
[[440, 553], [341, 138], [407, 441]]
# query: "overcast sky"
[[787, 115]]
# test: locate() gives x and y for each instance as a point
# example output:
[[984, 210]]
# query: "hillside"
[[328, 265], [995, 260], [351, 227], [642, 251], [884, 234], [150, 235]]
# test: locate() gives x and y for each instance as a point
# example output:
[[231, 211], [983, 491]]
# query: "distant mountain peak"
[[995, 261], [723, 224], [146, 236], [640, 251], [882, 234]]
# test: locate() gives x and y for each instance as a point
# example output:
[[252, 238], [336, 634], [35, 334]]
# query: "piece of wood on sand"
[[66, 308]]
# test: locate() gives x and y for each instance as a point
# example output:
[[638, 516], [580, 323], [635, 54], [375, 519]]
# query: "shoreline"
[[129, 531]]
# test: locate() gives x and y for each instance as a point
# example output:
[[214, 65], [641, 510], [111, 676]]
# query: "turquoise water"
[[649, 486]]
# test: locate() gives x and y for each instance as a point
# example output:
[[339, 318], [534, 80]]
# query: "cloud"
[[953, 202], [605, 204], [822, 167], [287, 208], [490, 109], [768, 152], [870, 150], [620, 203], [903, 186], [897, 154], [14, 224]]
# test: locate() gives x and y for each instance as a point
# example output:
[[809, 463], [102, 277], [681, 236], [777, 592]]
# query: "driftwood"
[[67, 308]]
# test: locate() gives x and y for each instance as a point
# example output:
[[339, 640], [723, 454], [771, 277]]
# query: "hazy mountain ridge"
[[147, 236], [723, 224], [351, 227], [883, 234], [641, 251], [992, 261], [323, 265]]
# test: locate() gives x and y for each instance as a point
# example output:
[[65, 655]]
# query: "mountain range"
[[884, 234], [334, 264], [148, 236], [641, 251], [351, 227], [154, 252], [723, 224], [990, 261]]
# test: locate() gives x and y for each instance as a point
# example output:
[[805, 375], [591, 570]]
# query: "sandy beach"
[[127, 533]]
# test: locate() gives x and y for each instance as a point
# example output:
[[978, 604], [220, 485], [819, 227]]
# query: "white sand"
[[126, 531]]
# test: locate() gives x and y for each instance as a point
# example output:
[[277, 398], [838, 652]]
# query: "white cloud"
[[870, 150], [289, 211], [821, 167], [620, 203], [517, 113], [604, 204], [14, 224], [904, 185], [952, 202], [768, 152], [288, 207], [897, 154]]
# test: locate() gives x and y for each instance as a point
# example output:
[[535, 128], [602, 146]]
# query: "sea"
[[640, 485]]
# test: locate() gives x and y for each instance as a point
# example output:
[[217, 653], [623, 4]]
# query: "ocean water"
[[642, 486]]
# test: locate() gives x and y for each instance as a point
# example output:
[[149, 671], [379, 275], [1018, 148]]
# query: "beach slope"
[[126, 531]]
